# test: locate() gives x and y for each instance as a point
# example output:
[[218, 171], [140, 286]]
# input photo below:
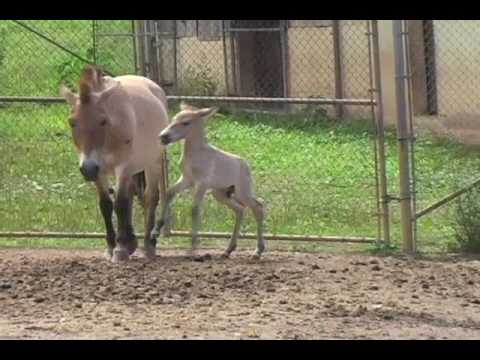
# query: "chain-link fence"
[[444, 78], [296, 103]]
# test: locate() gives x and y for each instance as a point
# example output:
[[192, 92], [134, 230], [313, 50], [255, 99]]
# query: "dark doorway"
[[258, 57]]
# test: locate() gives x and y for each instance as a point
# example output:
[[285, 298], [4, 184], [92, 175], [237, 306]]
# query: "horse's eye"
[[103, 122], [72, 124], [185, 123]]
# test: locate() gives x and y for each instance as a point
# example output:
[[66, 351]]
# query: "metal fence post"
[[337, 58], [403, 133], [140, 30], [155, 57], [377, 113]]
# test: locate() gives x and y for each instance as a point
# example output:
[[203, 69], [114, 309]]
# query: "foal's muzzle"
[[90, 169], [165, 139]]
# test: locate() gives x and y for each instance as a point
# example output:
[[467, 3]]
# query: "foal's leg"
[[196, 210], [106, 207], [126, 240], [151, 198], [244, 194], [239, 210], [181, 185], [259, 214]]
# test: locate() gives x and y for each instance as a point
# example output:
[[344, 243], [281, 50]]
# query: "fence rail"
[[358, 102], [207, 235]]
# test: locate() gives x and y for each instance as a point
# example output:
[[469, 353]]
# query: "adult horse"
[[115, 125]]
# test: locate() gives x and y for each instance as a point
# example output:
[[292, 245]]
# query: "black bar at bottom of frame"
[[229, 347]]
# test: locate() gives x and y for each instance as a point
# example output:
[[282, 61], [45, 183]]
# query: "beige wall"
[[201, 55], [355, 64], [387, 70], [311, 63], [457, 54], [457, 71], [311, 67]]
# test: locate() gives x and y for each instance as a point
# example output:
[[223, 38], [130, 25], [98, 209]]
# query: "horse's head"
[[185, 122], [91, 119]]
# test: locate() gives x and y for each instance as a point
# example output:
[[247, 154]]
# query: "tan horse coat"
[[115, 126]]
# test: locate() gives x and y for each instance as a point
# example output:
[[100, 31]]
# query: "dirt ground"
[[60, 294]]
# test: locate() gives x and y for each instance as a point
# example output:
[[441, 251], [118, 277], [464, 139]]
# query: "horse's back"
[[135, 83], [150, 105]]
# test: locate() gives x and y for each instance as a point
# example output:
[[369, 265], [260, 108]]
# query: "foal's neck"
[[196, 140]]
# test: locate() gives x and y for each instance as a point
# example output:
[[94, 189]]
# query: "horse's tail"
[[140, 184]]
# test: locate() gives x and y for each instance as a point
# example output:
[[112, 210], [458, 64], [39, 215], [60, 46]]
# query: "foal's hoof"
[[192, 253], [120, 255], [225, 255], [257, 256], [154, 234]]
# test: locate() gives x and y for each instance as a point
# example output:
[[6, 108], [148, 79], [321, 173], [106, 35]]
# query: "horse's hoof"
[[225, 255], [107, 254], [131, 248], [149, 254], [120, 255]]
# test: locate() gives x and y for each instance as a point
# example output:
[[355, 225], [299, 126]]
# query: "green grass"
[[31, 66], [316, 176]]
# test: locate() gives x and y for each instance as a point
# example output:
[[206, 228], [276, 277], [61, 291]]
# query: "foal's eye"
[[72, 123], [103, 122], [185, 123]]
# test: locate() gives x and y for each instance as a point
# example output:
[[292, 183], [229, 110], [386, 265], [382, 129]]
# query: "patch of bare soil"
[[57, 294]]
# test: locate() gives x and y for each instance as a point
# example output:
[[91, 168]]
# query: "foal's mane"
[[90, 80]]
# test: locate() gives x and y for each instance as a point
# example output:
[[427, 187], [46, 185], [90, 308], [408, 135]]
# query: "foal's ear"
[[184, 106], [69, 95], [207, 112]]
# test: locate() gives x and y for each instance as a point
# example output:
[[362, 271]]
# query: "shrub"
[[198, 82], [467, 221]]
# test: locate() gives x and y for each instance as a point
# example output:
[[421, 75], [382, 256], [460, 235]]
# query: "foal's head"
[[90, 119], [184, 123]]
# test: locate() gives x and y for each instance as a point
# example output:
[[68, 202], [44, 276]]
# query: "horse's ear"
[[68, 94], [207, 112]]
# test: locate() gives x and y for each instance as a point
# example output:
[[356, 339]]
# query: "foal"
[[204, 168]]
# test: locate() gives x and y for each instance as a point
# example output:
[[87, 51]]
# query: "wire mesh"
[[444, 78], [316, 172]]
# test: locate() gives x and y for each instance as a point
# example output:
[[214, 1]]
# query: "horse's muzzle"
[[165, 139], [89, 169]]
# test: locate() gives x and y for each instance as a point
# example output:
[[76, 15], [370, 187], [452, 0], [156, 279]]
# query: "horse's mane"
[[90, 80]]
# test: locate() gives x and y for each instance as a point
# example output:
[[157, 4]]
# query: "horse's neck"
[[195, 142]]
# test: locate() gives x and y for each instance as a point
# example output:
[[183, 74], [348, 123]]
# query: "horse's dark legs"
[[126, 240], [151, 198], [106, 207], [151, 202]]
